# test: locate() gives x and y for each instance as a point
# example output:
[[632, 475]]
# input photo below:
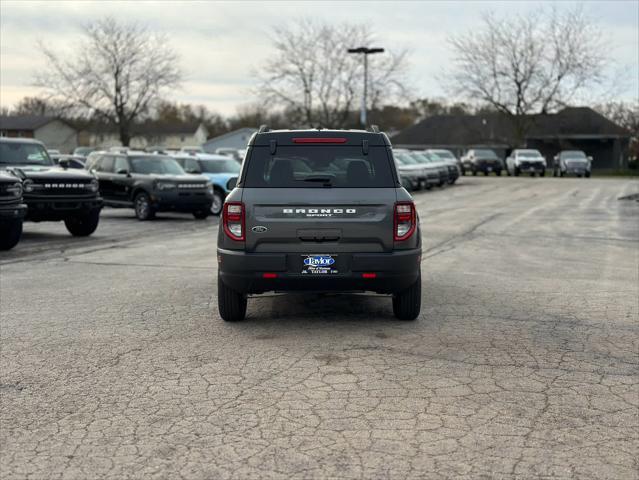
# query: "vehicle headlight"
[[165, 186], [15, 190], [94, 185], [27, 185], [209, 188]]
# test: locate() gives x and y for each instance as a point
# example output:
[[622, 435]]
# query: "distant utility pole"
[[366, 52]]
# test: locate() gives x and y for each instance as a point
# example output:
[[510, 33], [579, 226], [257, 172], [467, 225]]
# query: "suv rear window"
[[319, 166]]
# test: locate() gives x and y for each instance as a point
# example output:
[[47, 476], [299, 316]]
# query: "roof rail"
[[374, 129], [263, 129]]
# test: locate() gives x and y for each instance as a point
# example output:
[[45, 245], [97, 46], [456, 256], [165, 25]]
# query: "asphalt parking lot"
[[523, 363]]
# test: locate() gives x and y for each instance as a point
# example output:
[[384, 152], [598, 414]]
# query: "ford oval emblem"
[[259, 229]]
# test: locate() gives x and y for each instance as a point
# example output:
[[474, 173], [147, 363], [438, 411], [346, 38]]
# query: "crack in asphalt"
[[523, 364]]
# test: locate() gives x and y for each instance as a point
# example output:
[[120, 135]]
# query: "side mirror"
[[122, 171], [589, 158], [64, 163], [231, 183]]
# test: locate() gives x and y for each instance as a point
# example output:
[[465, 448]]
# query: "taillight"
[[405, 220], [233, 220]]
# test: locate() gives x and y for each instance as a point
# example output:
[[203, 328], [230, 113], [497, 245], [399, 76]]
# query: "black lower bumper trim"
[[394, 272], [12, 212]]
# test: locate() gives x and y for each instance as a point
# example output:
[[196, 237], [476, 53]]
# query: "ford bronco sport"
[[150, 184], [319, 210]]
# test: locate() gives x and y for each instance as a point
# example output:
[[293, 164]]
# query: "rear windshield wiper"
[[320, 179]]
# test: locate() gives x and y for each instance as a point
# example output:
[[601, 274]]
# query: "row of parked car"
[[39, 186], [426, 168], [526, 161]]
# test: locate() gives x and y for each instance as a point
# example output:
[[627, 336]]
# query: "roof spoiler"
[[263, 129]]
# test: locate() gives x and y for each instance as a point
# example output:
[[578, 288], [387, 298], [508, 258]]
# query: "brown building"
[[573, 128]]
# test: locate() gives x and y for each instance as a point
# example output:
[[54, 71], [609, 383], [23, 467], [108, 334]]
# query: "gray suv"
[[319, 210]]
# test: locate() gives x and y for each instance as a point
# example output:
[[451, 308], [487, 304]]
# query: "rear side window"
[[105, 164], [318, 167]]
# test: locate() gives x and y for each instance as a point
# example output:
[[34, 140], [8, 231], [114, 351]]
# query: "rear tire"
[[474, 172], [516, 171], [542, 173], [218, 202], [407, 304], [231, 304], [485, 173], [587, 175], [84, 225], [498, 173], [10, 233]]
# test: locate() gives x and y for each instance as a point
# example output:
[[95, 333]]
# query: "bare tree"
[[116, 74], [528, 64], [625, 114], [39, 106], [314, 79]]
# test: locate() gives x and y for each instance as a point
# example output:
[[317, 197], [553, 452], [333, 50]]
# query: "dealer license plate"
[[319, 264]]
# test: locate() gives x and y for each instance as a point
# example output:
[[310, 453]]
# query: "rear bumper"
[[243, 272]]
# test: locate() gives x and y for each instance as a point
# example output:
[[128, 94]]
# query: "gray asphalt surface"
[[523, 363]]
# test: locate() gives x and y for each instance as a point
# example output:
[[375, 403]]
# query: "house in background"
[[573, 128], [52, 131], [237, 139], [151, 133]]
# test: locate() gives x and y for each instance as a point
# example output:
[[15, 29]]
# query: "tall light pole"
[[366, 52]]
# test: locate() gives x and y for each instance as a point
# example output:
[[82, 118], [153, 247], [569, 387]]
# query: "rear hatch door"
[[319, 199]]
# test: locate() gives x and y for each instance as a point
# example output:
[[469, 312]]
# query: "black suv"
[[319, 210], [149, 184], [52, 192], [12, 210]]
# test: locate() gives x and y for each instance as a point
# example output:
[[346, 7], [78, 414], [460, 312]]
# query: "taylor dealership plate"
[[319, 264]]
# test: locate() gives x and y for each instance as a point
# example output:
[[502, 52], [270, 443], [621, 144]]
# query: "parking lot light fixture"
[[365, 51]]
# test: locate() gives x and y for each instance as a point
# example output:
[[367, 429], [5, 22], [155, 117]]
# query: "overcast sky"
[[221, 42]]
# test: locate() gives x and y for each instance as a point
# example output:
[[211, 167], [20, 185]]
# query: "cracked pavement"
[[523, 363]]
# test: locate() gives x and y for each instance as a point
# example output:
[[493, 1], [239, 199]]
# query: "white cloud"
[[221, 43]]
